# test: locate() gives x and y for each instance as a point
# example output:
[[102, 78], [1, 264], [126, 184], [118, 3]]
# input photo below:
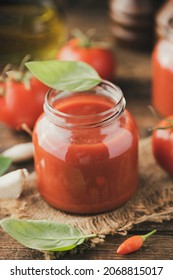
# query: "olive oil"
[[30, 27]]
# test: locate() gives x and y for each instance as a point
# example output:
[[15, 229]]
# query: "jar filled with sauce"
[[162, 71], [86, 150]]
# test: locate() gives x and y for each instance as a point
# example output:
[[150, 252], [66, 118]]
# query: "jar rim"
[[114, 111]]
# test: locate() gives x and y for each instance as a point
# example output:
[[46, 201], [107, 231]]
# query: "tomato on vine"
[[21, 99], [96, 54]]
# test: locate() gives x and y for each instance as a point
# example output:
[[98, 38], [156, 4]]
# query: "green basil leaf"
[[5, 163], [43, 235], [65, 75]]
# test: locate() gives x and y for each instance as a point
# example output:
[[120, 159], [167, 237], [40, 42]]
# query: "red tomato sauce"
[[162, 67], [91, 169]]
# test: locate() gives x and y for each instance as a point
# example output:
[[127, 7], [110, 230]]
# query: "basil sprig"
[[44, 235], [5, 163], [65, 75]]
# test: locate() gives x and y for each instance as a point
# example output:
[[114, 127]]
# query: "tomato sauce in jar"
[[162, 68], [86, 150]]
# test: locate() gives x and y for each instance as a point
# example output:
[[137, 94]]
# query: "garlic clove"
[[20, 152], [12, 183]]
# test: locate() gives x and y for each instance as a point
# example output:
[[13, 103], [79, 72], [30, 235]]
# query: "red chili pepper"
[[133, 243]]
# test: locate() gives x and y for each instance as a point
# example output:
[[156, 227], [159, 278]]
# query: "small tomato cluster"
[[22, 95]]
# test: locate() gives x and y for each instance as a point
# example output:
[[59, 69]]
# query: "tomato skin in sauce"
[[89, 169]]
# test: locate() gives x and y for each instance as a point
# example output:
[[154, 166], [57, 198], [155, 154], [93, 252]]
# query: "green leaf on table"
[[44, 235], [65, 75], [5, 163]]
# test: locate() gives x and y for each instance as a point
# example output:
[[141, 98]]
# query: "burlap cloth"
[[152, 202]]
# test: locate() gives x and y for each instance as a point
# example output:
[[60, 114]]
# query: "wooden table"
[[133, 75]]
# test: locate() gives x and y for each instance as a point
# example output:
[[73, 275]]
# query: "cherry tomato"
[[101, 59], [162, 144], [21, 104]]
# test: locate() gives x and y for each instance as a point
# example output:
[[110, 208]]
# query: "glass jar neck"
[[104, 90]]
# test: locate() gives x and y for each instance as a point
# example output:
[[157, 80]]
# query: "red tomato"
[[162, 145], [20, 104], [101, 59]]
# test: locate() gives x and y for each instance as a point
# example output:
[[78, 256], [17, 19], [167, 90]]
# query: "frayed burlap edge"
[[152, 202]]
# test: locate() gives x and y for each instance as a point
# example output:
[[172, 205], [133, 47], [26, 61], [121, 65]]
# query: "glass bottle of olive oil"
[[35, 27]]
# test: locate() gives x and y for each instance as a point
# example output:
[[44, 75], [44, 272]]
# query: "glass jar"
[[86, 150], [162, 72], [163, 15], [132, 22], [35, 27]]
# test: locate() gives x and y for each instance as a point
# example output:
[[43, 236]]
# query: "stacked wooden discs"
[[133, 22], [164, 17]]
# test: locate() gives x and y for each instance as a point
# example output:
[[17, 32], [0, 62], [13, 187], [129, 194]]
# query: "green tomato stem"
[[83, 39], [22, 64]]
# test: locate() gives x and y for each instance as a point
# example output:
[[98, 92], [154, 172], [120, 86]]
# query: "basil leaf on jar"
[[65, 75]]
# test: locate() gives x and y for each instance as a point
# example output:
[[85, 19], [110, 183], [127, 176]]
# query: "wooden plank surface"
[[133, 75]]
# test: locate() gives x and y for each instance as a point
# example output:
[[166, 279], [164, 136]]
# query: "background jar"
[[86, 150], [35, 27], [162, 71], [132, 22]]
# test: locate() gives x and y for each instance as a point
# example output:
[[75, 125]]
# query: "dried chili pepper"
[[133, 243]]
